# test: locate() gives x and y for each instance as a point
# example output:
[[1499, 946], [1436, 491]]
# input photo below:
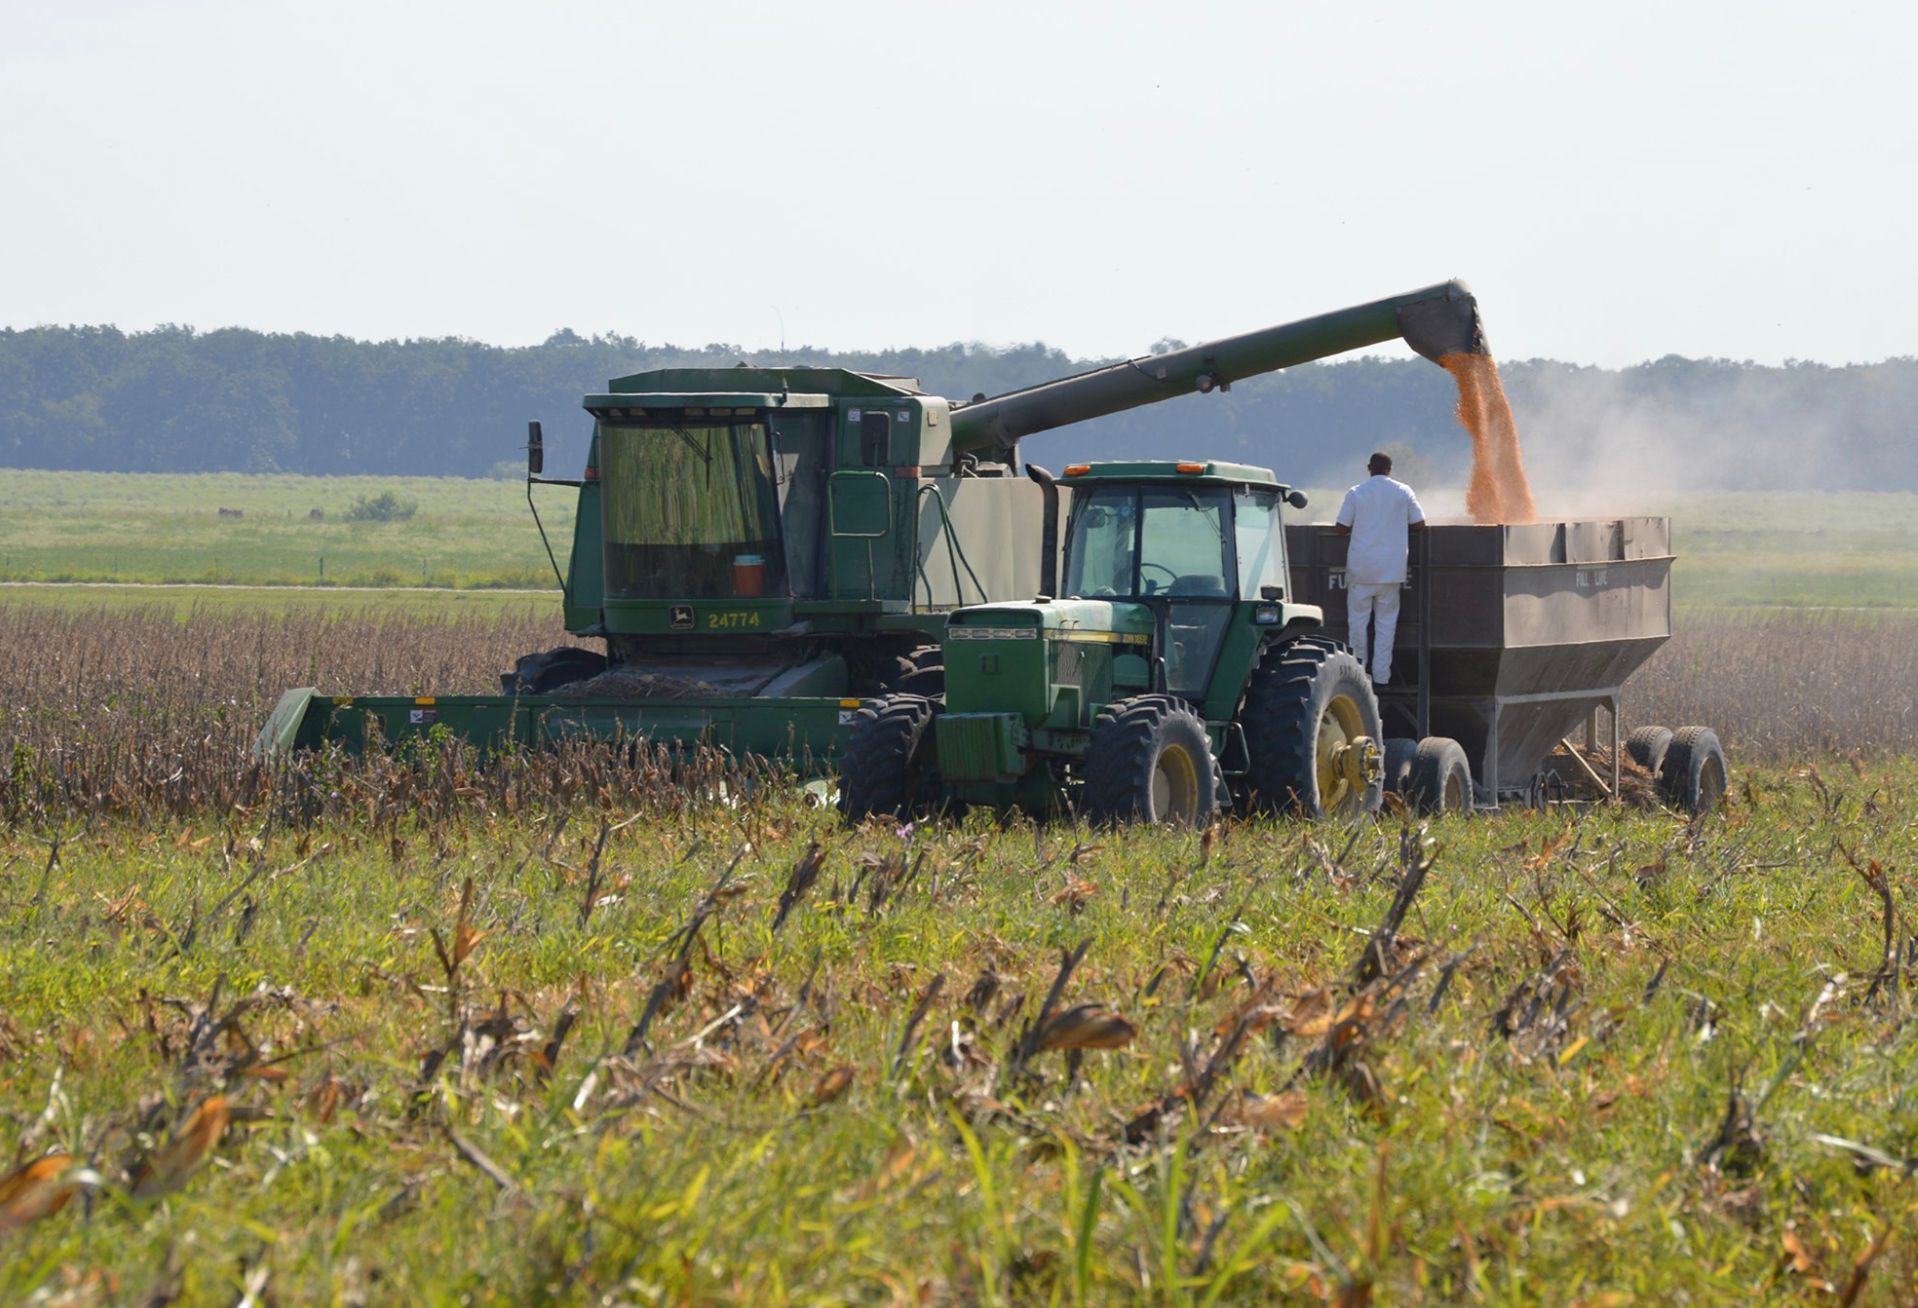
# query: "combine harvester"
[[762, 550]]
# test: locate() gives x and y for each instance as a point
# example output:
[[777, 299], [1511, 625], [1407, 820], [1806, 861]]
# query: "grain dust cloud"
[[1499, 492]]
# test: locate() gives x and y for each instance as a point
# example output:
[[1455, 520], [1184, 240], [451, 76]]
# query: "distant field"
[[1794, 550], [465, 533], [337, 601], [1797, 550]]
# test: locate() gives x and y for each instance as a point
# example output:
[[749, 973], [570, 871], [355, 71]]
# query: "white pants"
[[1378, 606]]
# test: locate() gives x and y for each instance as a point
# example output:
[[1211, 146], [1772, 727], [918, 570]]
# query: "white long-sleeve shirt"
[[1380, 513]]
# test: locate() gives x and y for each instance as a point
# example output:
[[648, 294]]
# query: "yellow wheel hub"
[[1175, 786], [1349, 761]]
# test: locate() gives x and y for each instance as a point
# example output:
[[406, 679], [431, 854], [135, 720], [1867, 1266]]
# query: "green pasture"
[[465, 533], [1794, 550]]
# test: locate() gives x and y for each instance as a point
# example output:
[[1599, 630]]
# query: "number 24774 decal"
[[742, 618]]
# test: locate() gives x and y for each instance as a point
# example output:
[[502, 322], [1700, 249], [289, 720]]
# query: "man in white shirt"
[[1378, 516]]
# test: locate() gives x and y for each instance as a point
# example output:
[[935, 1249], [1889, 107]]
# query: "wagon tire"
[[1693, 775], [1400, 751], [1646, 747], [1441, 777]]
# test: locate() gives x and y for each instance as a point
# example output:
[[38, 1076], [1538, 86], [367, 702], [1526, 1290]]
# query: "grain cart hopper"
[[1510, 639], [758, 550]]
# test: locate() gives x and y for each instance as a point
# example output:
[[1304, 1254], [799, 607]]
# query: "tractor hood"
[[1116, 622]]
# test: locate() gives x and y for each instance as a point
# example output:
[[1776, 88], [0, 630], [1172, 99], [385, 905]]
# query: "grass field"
[[57, 526], [1836, 550]]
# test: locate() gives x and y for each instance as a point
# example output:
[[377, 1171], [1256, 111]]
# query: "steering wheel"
[[1171, 576]]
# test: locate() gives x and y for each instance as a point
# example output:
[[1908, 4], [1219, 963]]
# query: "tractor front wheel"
[[886, 770], [1312, 733], [1149, 760]]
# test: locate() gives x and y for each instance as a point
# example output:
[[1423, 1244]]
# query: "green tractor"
[[1167, 676]]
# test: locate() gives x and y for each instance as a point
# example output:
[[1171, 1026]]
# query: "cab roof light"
[[1190, 467], [1077, 469]]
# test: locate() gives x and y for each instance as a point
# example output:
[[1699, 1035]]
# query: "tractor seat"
[[1198, 584]]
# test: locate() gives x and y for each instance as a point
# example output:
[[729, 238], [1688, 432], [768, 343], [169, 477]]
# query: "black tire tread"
[[1280, 726], [1126, 740], [1691, 747], [1400, 752], [1437, 758], [879, 774], [1646, 747]]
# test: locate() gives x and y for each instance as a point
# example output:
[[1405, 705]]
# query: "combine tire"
[[886, 769], [928, 675], [1441, 777], [542, 674], [1149, 760], [1693, 775], [1646, 747], [1312, 733], [1400, 751]]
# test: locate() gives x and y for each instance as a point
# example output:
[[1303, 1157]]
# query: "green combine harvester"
[[760, 552]]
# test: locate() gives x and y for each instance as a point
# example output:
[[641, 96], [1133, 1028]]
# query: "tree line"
[[174, 399]]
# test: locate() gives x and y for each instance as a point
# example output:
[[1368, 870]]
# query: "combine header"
[[757, 552]]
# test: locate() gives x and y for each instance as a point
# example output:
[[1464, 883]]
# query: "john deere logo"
[[681, 617]]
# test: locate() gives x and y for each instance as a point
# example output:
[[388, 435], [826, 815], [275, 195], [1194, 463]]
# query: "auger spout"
[[1436, 321]]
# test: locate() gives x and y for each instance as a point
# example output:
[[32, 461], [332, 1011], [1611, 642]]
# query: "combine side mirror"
[[1296, 499], [535, 451]]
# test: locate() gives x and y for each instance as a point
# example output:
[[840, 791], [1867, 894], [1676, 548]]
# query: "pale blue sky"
[[1618, 181]]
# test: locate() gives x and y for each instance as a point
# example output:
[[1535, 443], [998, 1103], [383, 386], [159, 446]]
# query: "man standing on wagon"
[[1378, 517]]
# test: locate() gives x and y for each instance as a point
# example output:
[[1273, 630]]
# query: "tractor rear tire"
[[1646, 747], [886, 770], [1149, 760], [1441, 777], [542, 674], [1693, 775], [1312, 733], [1400, 751]]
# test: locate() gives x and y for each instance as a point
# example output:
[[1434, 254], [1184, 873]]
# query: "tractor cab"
[[1189, 542], [1168, 675]]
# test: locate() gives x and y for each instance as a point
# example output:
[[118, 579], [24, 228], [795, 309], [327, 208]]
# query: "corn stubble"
[[1277, 1056], [141, 716], [570, 1028]]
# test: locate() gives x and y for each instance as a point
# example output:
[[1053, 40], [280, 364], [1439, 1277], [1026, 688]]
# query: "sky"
[[1617, 182]]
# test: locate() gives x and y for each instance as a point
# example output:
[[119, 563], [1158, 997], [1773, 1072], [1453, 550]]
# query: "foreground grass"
[[510, 1059]]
